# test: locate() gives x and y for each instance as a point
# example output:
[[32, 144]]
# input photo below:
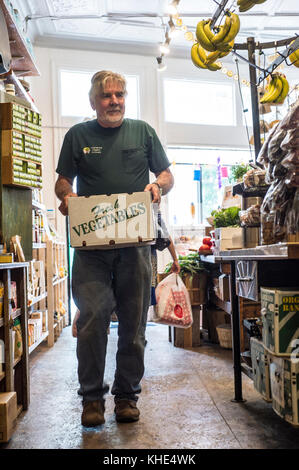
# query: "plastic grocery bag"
[[173, 303]]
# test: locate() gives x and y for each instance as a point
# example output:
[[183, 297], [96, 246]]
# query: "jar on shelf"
[[10, 89]]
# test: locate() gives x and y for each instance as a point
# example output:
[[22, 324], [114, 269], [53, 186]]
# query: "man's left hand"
[[154, 189]]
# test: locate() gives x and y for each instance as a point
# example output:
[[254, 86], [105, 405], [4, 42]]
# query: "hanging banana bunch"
[[245, 5], [219, 44], [277, 90], [294, 57]]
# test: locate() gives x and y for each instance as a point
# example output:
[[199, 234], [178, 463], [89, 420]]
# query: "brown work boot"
[[93, 413], [126, 411]]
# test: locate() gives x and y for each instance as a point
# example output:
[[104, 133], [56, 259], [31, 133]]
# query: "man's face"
[[110, 105]]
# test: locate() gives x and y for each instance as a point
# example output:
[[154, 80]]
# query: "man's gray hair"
[[100, 79]]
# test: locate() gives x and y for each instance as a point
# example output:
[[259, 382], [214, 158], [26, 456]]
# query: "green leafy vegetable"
[[190, 264], [226, 217], [238, 171]]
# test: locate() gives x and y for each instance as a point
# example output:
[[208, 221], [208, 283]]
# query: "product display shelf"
[[15, 376], [267, 265], [43, 337], [56, 287], [22, 60], [241, 190]]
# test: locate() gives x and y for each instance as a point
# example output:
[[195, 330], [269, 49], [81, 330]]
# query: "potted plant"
[[228, 233], [237, 172]]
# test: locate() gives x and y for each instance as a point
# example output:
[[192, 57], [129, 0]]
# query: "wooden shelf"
[[226, 306], [38, 299], [16, 361], [37, 246], [16, 313], [39, 206], [22, 59], [58, 281], [37, 343]]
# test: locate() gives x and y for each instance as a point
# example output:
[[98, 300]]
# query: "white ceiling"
[[139, 25]]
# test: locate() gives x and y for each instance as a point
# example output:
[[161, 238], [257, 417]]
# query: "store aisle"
[[185, 403]]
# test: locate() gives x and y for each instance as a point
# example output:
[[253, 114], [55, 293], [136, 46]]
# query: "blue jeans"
[[102, 281]]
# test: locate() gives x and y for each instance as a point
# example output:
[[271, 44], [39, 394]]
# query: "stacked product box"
[[280, 316], [35, 330], [20, 146]]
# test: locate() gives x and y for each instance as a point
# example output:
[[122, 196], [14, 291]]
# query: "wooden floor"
[[185, 403]]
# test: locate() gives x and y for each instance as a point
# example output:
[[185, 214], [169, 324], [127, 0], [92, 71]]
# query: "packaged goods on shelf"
[[35, 329], [284, 376], [260, 368], [13, 294], [280, 316], [42, 316], [18, 341], [7, 258], [251, 217], [254, 178], [229, 238], [280, 156], [1, 297], [16, 248], [8, 415]]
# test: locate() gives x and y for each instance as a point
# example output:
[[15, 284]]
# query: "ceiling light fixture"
[[172, 8], [164, 48], [161, 66]]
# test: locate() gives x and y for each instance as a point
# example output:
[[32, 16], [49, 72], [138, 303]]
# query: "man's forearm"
[[63, 187], [165, 180]]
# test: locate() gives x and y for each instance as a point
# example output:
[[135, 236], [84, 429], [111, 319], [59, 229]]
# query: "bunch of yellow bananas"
[[294, 57], [245, 5], [277, 90], [203, 60], [219, 44]]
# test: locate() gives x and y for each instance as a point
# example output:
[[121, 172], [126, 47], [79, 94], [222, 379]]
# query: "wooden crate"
[[196, 286], [16, 172], [187, 337], [19, 118], [20, 145]]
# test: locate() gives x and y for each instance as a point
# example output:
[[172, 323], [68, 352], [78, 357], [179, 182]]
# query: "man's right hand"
[[64, 204]]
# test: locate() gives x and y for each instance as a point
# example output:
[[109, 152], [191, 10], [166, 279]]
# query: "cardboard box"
[[284, 378], [229, 238], [13, 295], [260, 368], [280, 316], [115, 221], [229, 200], [224, 287], [8, 415]]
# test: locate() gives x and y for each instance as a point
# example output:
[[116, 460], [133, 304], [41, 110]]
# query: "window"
[[192, 102], [188, 189], [74, 95]]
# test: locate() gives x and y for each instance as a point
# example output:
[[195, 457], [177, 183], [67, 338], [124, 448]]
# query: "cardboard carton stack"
[[276, 372]]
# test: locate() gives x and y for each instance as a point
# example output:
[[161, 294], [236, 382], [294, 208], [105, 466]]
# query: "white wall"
[[45, 90]]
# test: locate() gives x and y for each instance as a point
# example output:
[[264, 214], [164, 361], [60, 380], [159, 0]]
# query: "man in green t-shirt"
[[111, 155]]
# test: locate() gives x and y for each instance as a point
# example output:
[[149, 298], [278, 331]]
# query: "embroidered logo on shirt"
[[89, 150], [96, 149]]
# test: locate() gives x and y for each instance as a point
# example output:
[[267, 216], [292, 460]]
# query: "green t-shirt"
[[111, 160]]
